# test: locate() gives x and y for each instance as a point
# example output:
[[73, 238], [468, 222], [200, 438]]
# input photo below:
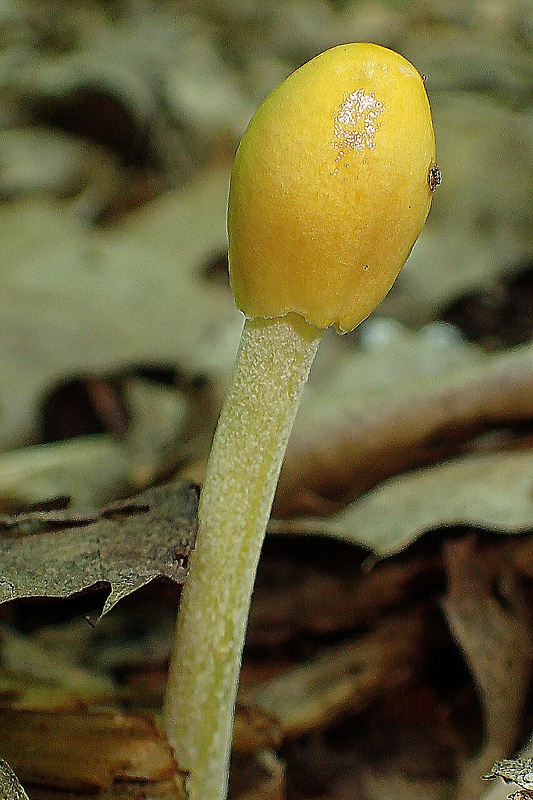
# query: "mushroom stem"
[[273, 363]]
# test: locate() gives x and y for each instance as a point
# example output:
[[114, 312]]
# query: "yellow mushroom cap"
[[330, 187]]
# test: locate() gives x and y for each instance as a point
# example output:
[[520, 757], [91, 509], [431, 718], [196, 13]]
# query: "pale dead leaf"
[[29, 666], [154, 62], [158, 67], [90, 470], [81, 301], [127, 546], [500, 791], [401, 401], [479, 82], [36, 160], [514, 770], [495, 637], [485, 490], [472, 236], [159, 418]]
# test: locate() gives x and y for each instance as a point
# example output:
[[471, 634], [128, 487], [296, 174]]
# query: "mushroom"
[[331, 185]]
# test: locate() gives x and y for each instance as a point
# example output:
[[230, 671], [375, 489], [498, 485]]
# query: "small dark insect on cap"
[[434, 177]]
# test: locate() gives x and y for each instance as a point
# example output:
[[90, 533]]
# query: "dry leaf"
[[121, 790], [159, 417], [130, 544], [80, 301], [36, 160], [486, 490], [260, 777], [400, 787], [106, 751], [329, 592], [155, 65], [514, 770], [28, 666], [500, 791], [84, 751], [343, 679], [159, 68], [403, 400], [89, 470], [472, 237], [495, 637], [254, 729]]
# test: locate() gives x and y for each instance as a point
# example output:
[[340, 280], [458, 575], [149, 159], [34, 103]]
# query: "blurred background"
[[118, 126]]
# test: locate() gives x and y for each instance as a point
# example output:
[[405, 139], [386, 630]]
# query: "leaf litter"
[[371, 677], [487, 490], [39, 747], [402, 400], [487, 614], [129, 544]]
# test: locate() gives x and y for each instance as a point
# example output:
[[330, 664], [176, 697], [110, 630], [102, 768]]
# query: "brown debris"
[[487, 615], [259, 777], [84, 752], [335, 593], [344, 679], [123, 790], [254, 729]]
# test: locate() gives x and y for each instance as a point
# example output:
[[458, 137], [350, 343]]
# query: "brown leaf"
[[344, 678], [121, 790], [254, 729], [106, 750], [495, 636], [130, 544], [84, 751], [333, 592], [259, 777]]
